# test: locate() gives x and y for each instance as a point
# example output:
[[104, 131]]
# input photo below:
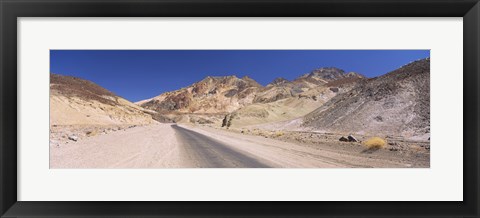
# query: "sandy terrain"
[[172, 146], [139, 147], [78, 102]]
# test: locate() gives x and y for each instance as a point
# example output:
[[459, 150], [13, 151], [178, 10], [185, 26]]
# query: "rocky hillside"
[[280, 101], [397, 103], [282, 109], [325, 75], [281, 88], [209, 100], [74, 101], [211, 95]]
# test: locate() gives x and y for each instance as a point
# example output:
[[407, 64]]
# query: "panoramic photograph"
[[157, 109]]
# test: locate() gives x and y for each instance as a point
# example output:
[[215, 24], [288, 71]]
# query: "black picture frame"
[[10, 10]]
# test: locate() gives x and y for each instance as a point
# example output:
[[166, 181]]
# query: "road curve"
[[205, 152]]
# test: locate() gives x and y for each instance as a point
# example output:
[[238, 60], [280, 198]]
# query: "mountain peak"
[[251, 82], [278, 81], [354, 75], [326, 73], [220, 77]]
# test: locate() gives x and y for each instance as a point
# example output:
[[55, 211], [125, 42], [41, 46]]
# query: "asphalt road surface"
[[204, 151]]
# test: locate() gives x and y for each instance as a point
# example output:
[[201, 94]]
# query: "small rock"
[[73, 138], [334, 89], [378, 119]]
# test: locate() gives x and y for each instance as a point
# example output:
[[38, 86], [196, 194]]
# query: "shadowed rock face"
[[397, 102]]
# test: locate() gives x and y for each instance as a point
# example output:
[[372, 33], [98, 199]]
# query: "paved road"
[[204, 151]]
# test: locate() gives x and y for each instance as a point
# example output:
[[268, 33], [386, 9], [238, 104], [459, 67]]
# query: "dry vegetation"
[[375, 143]]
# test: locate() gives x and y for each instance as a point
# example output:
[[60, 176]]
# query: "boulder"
[[352, 139], [349, 138]]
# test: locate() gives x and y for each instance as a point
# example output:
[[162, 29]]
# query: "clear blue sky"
[[141, 74]]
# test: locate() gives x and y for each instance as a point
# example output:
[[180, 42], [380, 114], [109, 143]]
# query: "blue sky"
[[141, 74]]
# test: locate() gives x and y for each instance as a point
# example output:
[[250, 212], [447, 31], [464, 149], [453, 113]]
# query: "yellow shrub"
[[279, 133], [375, 143]]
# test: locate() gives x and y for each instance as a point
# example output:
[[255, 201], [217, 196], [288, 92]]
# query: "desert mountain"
[[397, 103], [209, 99], [278, 81], [283, 100], [211, 95], [281, 88], [75, 101], [283, 109], [325, 75]]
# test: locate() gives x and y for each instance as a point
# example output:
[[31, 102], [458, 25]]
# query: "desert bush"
[[375, 143], [279, 133]]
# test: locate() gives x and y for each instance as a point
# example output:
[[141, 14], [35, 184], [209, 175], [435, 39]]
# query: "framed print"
[[267, 108]]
